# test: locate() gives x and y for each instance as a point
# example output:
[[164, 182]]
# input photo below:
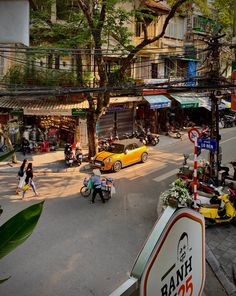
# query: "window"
[[138, 29], [142, 68], [154, 70], [135, 145], [169, 68], [129, 147], [175, 28]]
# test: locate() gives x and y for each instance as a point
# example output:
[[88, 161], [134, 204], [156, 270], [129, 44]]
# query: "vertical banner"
[[233, 97]]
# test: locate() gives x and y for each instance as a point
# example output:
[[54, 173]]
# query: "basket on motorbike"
[[106, 183], [85, 182]]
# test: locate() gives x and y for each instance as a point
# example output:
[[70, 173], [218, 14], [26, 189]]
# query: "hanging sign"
[[193, 134], [233, 97], [78, 112]]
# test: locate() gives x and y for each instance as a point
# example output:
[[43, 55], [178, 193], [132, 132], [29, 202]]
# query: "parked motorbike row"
[[145, 137], [72, 157], [228, 121], [215, 203]]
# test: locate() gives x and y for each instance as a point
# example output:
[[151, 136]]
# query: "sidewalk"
[[53, 162], [43, 163]]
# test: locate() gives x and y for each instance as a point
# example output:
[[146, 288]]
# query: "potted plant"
[[176, 196]]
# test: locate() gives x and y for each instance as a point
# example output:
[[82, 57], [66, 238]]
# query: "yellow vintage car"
[[121, 154]]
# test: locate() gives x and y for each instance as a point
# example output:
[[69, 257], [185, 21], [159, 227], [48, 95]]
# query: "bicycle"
[[107, 184]]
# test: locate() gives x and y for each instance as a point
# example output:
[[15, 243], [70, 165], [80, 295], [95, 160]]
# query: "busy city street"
[[79, 248]]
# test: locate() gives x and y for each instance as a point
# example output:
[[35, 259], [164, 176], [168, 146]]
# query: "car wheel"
[[117, 166], [144, 157]]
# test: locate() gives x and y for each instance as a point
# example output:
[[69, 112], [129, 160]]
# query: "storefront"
[[119, 118], [152, 114], [48, 119]]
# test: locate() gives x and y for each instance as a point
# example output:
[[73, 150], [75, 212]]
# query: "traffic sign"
[[207, 144], [193, 134]]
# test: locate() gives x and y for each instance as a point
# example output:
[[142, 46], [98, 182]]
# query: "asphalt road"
[[87, 249]]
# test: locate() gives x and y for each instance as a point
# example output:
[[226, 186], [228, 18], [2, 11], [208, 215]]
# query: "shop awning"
[[187, 100], [43, 106], [227, 103], [120, 100], [158, 101], [205, 102]]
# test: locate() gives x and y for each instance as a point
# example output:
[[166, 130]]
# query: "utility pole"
[[215, 100]]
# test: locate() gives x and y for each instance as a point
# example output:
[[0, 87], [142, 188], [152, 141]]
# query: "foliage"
[[177, 192], [18, 228], [224, 14], [21, 75], [99, 25]]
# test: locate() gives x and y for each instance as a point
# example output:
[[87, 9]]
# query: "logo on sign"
[[177, 280]]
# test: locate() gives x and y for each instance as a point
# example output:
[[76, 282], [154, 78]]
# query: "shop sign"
[[48, 112], [16, 111], [78, 112], [176, 265], [233, 98], [117, 108]]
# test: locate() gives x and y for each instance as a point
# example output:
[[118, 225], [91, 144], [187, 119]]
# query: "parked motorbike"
[[228, 121], [205, 133], [225, 175], [174, 133], [215, 214], [78, 155], [70, 158], [25, 146], [152, 139], [141, 135], [185, 172], [69, 154], [103, 144]]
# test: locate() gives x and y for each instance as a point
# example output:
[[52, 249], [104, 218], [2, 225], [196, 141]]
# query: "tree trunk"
[[91, 129], [79, 68]]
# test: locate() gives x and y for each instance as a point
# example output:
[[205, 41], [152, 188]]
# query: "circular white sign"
[[193, 134]]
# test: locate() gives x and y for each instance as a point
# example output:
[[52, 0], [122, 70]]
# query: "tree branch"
[[126, 62], [86, 12]]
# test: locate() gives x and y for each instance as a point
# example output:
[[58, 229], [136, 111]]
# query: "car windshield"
[[116, 148]]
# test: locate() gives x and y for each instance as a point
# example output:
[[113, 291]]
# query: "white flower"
[[180, 193]]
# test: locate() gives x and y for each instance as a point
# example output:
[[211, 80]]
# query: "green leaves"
[[17, 229], [6, 155]]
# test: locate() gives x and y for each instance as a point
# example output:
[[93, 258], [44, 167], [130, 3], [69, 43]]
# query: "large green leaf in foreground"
[[6, 155], [17, 229]]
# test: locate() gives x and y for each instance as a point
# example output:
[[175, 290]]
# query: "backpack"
[[20, 172]]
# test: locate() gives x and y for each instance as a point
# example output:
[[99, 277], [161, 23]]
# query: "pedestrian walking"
[[21, 176], [29, 180], [96, 179]]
